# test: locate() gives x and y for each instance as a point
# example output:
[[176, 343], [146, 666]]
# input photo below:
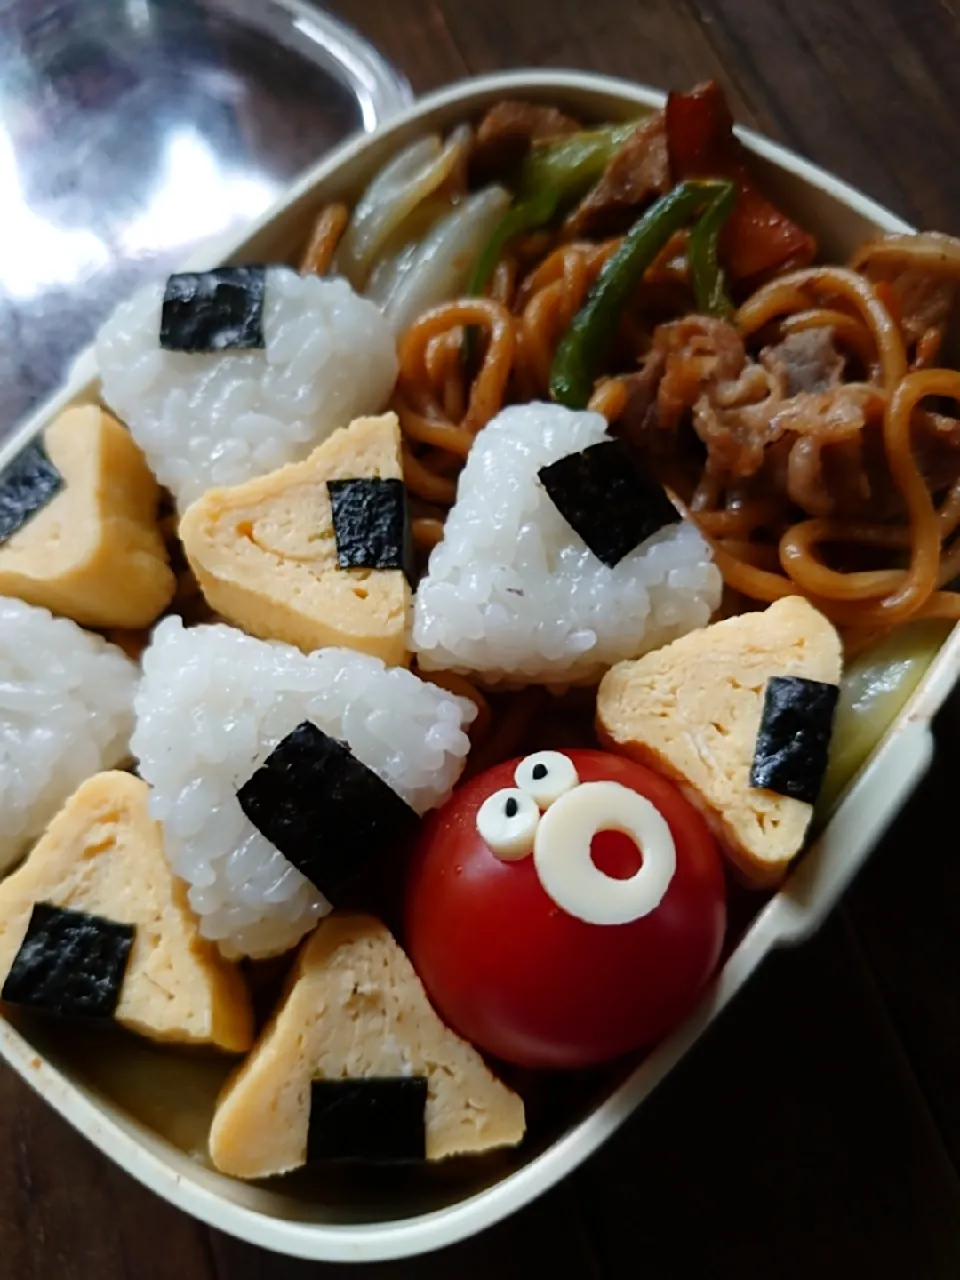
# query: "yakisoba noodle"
[[849, 331], [839, 299], [782, 296], [327, 230], [765, 546], [927, 250]]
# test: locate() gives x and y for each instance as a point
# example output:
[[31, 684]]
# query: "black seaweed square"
[[793, 741], [371, 524], [607, 500], [69, 963], [218, 310], [27, 484], [322, 808], [374, 1118]]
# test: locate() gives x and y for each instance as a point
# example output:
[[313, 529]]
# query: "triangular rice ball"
[[102, 855], [355, 1009], [514, 594], [692, 710], [93, 551], [213, 707], [265, 553]]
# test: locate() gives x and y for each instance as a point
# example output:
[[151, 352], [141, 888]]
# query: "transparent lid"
[[131, 131]]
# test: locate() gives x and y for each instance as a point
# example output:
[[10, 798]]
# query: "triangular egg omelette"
[[694, 711], [266, 554], [356, 1013], [88, 547], [98, 874]]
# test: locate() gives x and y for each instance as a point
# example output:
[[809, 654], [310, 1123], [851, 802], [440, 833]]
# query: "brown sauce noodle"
[[322, 245], [763, 549], [463, 361]]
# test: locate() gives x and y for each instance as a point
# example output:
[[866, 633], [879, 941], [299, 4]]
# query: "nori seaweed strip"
[[371, 524], [219, 310], [607, 500], [322, 808], [793, 741], [69, 963], [27, 484], [378, 1118]]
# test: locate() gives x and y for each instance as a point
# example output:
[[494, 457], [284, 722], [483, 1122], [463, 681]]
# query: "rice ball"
[[514, 595], [212, 706], [220, 418], [66, 712]]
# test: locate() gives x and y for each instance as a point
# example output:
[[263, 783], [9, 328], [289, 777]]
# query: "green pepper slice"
[[581, 352], [553, 175], [706, 273]]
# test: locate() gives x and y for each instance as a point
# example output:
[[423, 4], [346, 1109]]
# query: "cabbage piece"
[[874, 690]]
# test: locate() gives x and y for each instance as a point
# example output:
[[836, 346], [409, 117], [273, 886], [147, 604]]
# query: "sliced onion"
[[387, 273], [438, 268], [409, 178]]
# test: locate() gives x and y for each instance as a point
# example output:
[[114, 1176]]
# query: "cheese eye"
[[546, 776], [507, 822], [567, 872]]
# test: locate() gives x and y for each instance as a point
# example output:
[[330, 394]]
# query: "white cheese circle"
[[508, 834], [546, 776], [561, 854]]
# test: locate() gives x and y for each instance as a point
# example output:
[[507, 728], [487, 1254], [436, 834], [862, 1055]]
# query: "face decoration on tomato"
[[565, 908]]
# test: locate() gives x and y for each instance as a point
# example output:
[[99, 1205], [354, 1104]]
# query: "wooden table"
[[816, 1131]]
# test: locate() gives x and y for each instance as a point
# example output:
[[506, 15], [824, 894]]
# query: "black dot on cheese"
[[511, 807], [217, 310], [323, 809], [538, 772], [27, 484], [376, 1118], [371, 524], [605, 498], [69, 963], [793, 741]]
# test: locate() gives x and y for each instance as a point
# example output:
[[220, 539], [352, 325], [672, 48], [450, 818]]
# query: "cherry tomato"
[[524, 978]]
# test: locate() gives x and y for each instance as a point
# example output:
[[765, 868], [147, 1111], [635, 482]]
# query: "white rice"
[[214, 703], [514, 595], [66, 712], [221, 418]]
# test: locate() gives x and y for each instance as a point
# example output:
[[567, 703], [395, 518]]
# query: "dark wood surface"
[[816, 1130]]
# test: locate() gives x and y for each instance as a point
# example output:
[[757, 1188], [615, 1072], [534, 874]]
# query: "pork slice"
[[807, 361], [507, 132], [636, 174]]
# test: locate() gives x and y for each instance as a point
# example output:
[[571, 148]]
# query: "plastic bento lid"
[[134, 131]]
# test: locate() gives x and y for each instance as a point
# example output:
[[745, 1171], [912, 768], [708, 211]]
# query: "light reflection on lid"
[[218, 196], [132, 133]]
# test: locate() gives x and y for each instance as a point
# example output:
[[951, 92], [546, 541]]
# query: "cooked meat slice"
[[635, 175], [806, 361], [924, 299], [639, 416], [508, 130], [925, 302], [820, 447], [698, 351]]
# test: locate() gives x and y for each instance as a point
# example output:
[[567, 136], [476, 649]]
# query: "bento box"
[[117, 1098]]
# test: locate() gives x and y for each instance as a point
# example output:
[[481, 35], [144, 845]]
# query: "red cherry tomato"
[[528, 982]]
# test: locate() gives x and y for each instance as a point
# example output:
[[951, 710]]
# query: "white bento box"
[[357, 1221]]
